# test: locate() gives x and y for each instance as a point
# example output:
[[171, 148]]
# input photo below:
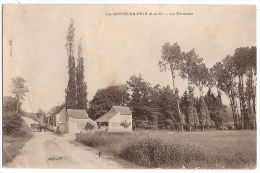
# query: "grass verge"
[[13, 143]]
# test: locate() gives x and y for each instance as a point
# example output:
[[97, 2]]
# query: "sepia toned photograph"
[[129, 86]]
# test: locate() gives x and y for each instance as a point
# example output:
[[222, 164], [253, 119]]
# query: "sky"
[[114, 47]]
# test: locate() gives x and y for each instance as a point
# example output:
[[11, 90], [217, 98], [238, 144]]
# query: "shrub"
[[153, 152], [125, 124], [11, 124], [13, 143], [89, 126]]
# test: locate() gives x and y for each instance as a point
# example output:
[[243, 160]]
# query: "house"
[[69, 121], [118, 119]]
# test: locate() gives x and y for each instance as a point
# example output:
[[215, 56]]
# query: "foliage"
[[189, 66], [215, 107], [80, 81], [229, 77], [140, 98], [13, 143], [19, 90], [71, 99], [152, 152], [40, 116], [171, 58], [9, 104], [125, 124], [105, 98], [89, 126], [11, 124]]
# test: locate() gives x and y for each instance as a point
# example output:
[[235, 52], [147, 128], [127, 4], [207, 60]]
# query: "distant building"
[[118, 119], [69, 121]]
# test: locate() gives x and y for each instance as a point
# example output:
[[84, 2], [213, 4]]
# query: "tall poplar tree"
[[171, 59], [80, 82], [71, 99]]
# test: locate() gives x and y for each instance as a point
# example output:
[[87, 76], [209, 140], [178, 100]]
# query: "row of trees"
[[161, 107], [227, 76], [76, 91], [153, 106], [236, 76]]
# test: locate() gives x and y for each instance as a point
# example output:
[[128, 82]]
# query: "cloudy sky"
[[115, 47]]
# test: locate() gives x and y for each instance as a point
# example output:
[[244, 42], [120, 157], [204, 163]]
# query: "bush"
[[153, 152], [11, 124], [89, 126], [13, 143]]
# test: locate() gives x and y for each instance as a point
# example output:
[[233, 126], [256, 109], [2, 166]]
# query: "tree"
[[240, 59], [196, 119], [71, 97], [182, 121], [225, 77], [171, 59], [250, 91], [105, 98], [168, 107], [215, 107], [189, 67], [40, 116], [9, 104], [202, 77], [140, 98], [190, 117], [80, 81], [184, 104], [19, 90]]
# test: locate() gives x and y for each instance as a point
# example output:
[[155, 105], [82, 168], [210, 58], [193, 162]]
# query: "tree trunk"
[[17, 108], [178, 105], [241, 100], [181, 127]]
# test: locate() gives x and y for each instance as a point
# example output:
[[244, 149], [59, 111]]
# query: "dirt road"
[[47, 150]]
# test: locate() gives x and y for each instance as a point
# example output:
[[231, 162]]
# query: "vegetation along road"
[[47, 150]]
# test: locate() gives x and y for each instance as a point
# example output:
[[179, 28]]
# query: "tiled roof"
[[106, 117], [77, 113], [123, 110]]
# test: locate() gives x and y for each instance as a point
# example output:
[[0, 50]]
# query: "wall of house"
[[114, 123], [76, 125], [62, 121]]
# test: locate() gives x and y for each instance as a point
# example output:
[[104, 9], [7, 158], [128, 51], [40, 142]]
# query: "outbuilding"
[[118, 119], [69, 121]]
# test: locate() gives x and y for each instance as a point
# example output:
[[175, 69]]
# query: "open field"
[[209, 149], [13, 143]]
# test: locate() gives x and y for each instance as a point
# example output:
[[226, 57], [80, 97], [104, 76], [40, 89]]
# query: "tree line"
[[162, 107]]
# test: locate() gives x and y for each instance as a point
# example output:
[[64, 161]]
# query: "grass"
[[13, 143], [209, 149]]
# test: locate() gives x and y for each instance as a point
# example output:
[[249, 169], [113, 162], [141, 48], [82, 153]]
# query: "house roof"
[[77, 113], [106, 117], [56, 109], [123, 110]]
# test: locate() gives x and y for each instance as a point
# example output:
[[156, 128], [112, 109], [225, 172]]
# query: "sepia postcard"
[[129, 86]]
